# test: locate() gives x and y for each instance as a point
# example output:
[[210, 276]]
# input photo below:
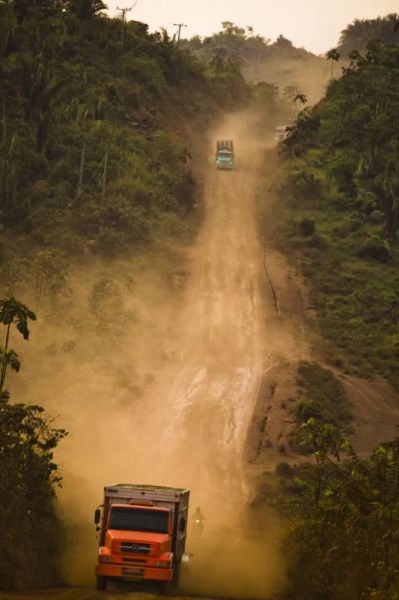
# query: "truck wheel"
[[101, 582], [165, 588]]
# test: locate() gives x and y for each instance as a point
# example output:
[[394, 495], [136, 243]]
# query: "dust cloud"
[[309, 74], [156, 374]]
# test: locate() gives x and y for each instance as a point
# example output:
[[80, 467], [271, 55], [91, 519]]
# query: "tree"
[[333, 55], [283, 42], [87, 9], [42, 8], [64, 79], [15, 313], [230, 28], [343, 521], [300, 100], [364, 99], [361, 32], [28, 477]]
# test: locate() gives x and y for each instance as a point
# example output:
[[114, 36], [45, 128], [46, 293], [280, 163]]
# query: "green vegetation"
[[242, 45], [361, 32], [341, 542], [322, 397], [338, 204], [31, 535], [279, 63], [92, 119], [341, 213]]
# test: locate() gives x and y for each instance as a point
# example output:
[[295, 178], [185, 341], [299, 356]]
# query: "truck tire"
[[101, 582], [165, 588]]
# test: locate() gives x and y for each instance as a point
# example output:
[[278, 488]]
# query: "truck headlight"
[[103, 558], [163, 563]]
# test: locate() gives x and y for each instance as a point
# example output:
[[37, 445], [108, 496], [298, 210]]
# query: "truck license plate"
[[133, 571]]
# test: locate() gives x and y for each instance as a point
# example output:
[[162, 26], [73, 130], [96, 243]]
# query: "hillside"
[[333, 211], [76, 143], [357, 35], [278, 63], [343, 183]]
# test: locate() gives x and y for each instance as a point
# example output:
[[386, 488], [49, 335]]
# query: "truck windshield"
[[139, 519]]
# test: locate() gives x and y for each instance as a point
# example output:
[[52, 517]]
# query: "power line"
[[155, 19]]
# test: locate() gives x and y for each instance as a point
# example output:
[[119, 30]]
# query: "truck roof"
[[144, 506], [149, 492]]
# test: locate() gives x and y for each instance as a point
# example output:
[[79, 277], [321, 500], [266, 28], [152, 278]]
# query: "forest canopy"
[[86, 104]]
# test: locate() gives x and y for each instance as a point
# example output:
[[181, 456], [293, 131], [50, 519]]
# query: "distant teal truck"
[[224, 155]]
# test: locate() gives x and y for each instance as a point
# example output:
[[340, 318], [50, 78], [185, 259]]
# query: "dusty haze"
[[156, 377]]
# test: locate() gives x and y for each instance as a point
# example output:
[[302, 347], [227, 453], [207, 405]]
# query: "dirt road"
[[227, 342], [236, 327], [213, 396]]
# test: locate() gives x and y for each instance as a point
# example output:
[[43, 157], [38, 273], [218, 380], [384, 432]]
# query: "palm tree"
[[87, 9], [333, 55], [15, 313]]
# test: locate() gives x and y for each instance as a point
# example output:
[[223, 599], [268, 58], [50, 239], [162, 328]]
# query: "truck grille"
[[134, 548]]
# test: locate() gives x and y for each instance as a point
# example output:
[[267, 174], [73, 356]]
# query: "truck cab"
[[224, 155], [142, 533]]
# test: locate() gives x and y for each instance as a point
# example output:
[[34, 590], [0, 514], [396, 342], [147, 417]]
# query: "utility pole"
[[123, 12], [105, 173], [81, 170], [179, 26]]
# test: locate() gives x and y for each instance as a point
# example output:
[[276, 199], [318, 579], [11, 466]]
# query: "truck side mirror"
[[182, 524], [97, 516]]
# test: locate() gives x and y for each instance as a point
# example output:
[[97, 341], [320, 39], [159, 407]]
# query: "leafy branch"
[[13, 312]]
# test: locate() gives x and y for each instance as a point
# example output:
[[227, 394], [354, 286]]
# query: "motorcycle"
[[197, 527]]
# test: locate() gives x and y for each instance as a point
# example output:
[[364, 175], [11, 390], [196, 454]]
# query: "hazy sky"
[[314, 24]]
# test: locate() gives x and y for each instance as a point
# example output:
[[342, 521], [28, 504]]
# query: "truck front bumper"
[[137, 573]]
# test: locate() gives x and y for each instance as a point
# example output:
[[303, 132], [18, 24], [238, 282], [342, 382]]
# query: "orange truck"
[[143, 531]]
